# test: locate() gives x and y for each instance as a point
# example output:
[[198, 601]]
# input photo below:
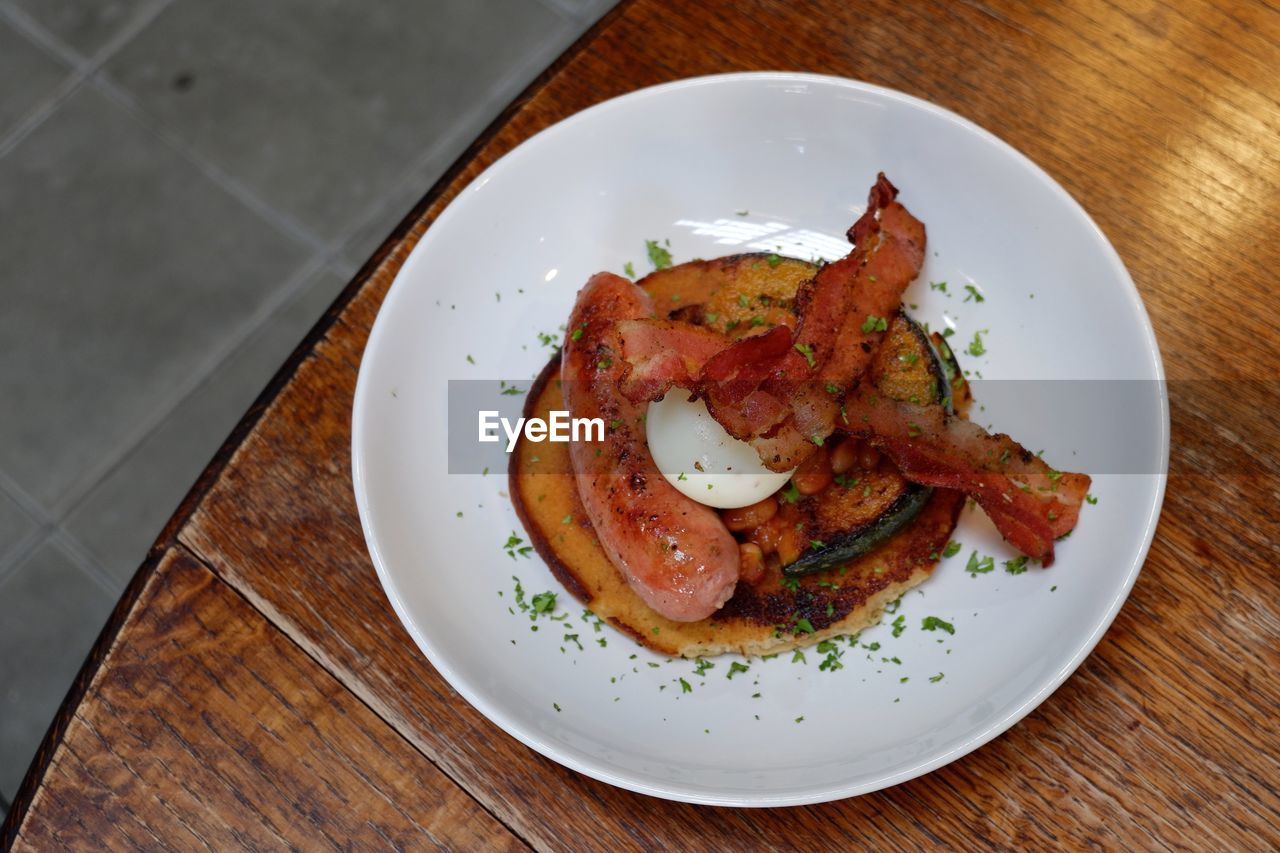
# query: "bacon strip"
[[835, 338], [663, 354], [1030, 503]]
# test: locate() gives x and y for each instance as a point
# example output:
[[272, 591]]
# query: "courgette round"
[[907, 367]]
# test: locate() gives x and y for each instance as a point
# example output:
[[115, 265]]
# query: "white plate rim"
[[674, 791]]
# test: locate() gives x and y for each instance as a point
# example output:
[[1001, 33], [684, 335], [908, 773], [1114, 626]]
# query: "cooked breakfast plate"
[[885, 580]]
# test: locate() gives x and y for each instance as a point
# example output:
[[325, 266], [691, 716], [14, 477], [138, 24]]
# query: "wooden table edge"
[[168, 536]]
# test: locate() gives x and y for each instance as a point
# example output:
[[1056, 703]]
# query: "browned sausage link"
[[749, 517], [814, 473], [845, 455], [674, 552]]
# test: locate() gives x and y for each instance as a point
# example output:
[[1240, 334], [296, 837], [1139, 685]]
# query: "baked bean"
[[814, 473], [844, 456], [749, 517], [868, 457], [752, 560]]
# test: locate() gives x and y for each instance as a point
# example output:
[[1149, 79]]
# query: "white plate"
[[678, 162]]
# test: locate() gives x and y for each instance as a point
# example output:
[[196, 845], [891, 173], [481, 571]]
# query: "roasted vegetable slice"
[[866, 504]]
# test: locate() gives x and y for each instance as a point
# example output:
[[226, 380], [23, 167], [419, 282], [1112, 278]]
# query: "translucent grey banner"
[[1219, 426]]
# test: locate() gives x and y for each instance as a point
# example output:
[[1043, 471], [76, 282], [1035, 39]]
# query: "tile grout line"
[[284, 222], [329, 255], [81, 67]]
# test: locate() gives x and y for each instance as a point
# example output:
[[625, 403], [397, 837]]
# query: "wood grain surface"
[[1160, 118], [207, 727]]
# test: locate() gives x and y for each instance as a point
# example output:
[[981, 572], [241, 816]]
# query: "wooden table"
[[254, 688]]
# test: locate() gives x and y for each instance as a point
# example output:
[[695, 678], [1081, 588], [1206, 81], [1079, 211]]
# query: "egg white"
[[703, 461]]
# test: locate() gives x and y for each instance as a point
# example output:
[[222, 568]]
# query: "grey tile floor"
[[185, 185]]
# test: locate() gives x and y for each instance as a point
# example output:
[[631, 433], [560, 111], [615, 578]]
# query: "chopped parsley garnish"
[[976, 347], [874, 324], [807, 351], [817, 439], [908, 357], [544, 602], [568, 519], [614, 424], [817, 544], [743, 301], [977, 567], [685, 687], [790, 494], [831, 662], [658, 256], [803, 626], [604, 363], [514, 546], [702, 667], [790, 582], [736, 667], [629, 269], [556, 705], [742, 213], [1017, 565], [773, 259], [1091, 500], [974, 294], [951, 550], [899, 625], [832, 388], [933, 623], [798, 657], [511, 392], [938, 285], [800, 719], [470, 360], [935, 678], [577, 333]]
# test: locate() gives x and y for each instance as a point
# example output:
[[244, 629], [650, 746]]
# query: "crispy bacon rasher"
[[842, 313], [785, 391], [1029, 502]]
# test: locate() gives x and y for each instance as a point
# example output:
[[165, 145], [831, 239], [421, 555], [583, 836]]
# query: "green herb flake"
[[1017, 565], [933, 623], [803, 626], [952, 549], [658, 256], [1091, 500], [899, 625], [470, 360], [938, 285], [685, 687], [790, 494], [934, 679], [974, 294], [543, 602], [736, 667], [977, 567], [773, 259], [874, 324], [976, 347], [629, 269], [807, 351], [798, 657]]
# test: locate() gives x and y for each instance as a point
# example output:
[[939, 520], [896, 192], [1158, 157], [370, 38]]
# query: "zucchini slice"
[[862, 508]]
